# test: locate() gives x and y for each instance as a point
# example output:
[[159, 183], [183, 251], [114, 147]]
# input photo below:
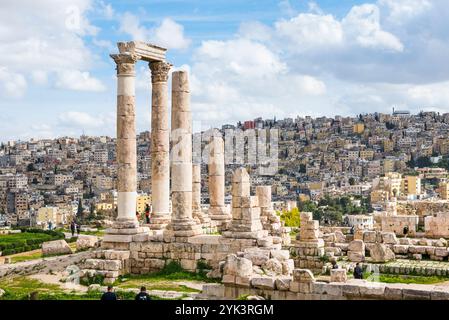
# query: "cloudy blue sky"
[[246, 59]]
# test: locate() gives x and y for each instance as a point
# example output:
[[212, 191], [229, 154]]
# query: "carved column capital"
[[125, 63], [159, 71]]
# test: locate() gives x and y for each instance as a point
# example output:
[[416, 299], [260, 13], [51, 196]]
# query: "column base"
[[185, 228], [159, 221], [122, 233]]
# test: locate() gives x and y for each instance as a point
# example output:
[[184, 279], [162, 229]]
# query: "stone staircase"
[[109, 264]]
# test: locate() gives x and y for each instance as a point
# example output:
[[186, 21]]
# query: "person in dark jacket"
[[358, 272], [109, 295], [405, 231], [72, 228], [143, 295], [147, 214]]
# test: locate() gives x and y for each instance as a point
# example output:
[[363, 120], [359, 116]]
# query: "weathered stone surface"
[[381, 253], [356, 256], [339, 275], [283, 283], [257, 257], [389, 238], [272, 266], [86, 242], [263, 282], [55, 247], [357, 246], [281, 255], [238, 266]]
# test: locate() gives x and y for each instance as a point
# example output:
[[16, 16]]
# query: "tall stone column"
[[126, 138], [182, 223], [126, 227], [160, 146], [196, 196], [217, 211]]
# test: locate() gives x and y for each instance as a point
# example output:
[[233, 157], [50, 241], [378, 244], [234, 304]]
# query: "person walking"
[[109, 295], [72, 228], [358, 272], [143, 295], [147, 214], [78, 229]]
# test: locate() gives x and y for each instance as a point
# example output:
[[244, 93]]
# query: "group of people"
[[147, 214], [111, 296], [358, 271], [75, 227]]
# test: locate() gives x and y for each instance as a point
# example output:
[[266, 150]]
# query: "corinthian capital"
[[125, 63], [159, 71]]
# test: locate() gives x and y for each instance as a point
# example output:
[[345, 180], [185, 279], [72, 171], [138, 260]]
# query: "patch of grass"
[[26, 256], [407, 279]]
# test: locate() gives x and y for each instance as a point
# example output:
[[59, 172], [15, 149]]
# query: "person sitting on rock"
[[334, 264]]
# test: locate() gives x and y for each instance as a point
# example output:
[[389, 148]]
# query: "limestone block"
[[272, 266], [118, 238], [303, 275], [237, 266], [281, 255], [126, 106], [265, 242], [417, 292], [306, 216], [354, 256], [400, 249], [339, 275], [372, 290], [243, 281], [86, 242], [263, 283], [393, 291], [357, 246], [264, 196], [258, 258], [283, 283], [369, 236], [389, 238], [288, 266], [340, 237], [381, 253], [228, 278], [55, 247], [441, 252]]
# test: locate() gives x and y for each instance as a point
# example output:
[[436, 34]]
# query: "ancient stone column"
[[126, 138], [216, 166], [160, 146], [182, 222], [196, 196], [126, 227]]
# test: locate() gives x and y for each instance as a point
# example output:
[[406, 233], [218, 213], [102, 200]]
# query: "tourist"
[[334, 264], [72, 228], [143, 295], [109, 295], [405, 231], [358, 272], [147, 214], [352, 230], [78, 229], [50, 225]]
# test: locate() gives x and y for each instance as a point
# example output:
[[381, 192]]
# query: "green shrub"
[[291, 218]]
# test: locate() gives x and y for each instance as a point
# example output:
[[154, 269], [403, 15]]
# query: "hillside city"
[[362, 161]]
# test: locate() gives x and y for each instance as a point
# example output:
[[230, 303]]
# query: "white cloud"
[[363, 24], [78, 81], [168, 34], [12, 84], [76, 119], [400, 11], [171, 35], [310, 31], [45, 37]]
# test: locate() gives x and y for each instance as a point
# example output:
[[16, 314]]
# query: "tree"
[[351, 181], [80, 211]]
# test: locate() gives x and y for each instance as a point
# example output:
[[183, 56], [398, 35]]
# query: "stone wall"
[[309, 289], [437, 226], [396, 224], [153, 255]]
